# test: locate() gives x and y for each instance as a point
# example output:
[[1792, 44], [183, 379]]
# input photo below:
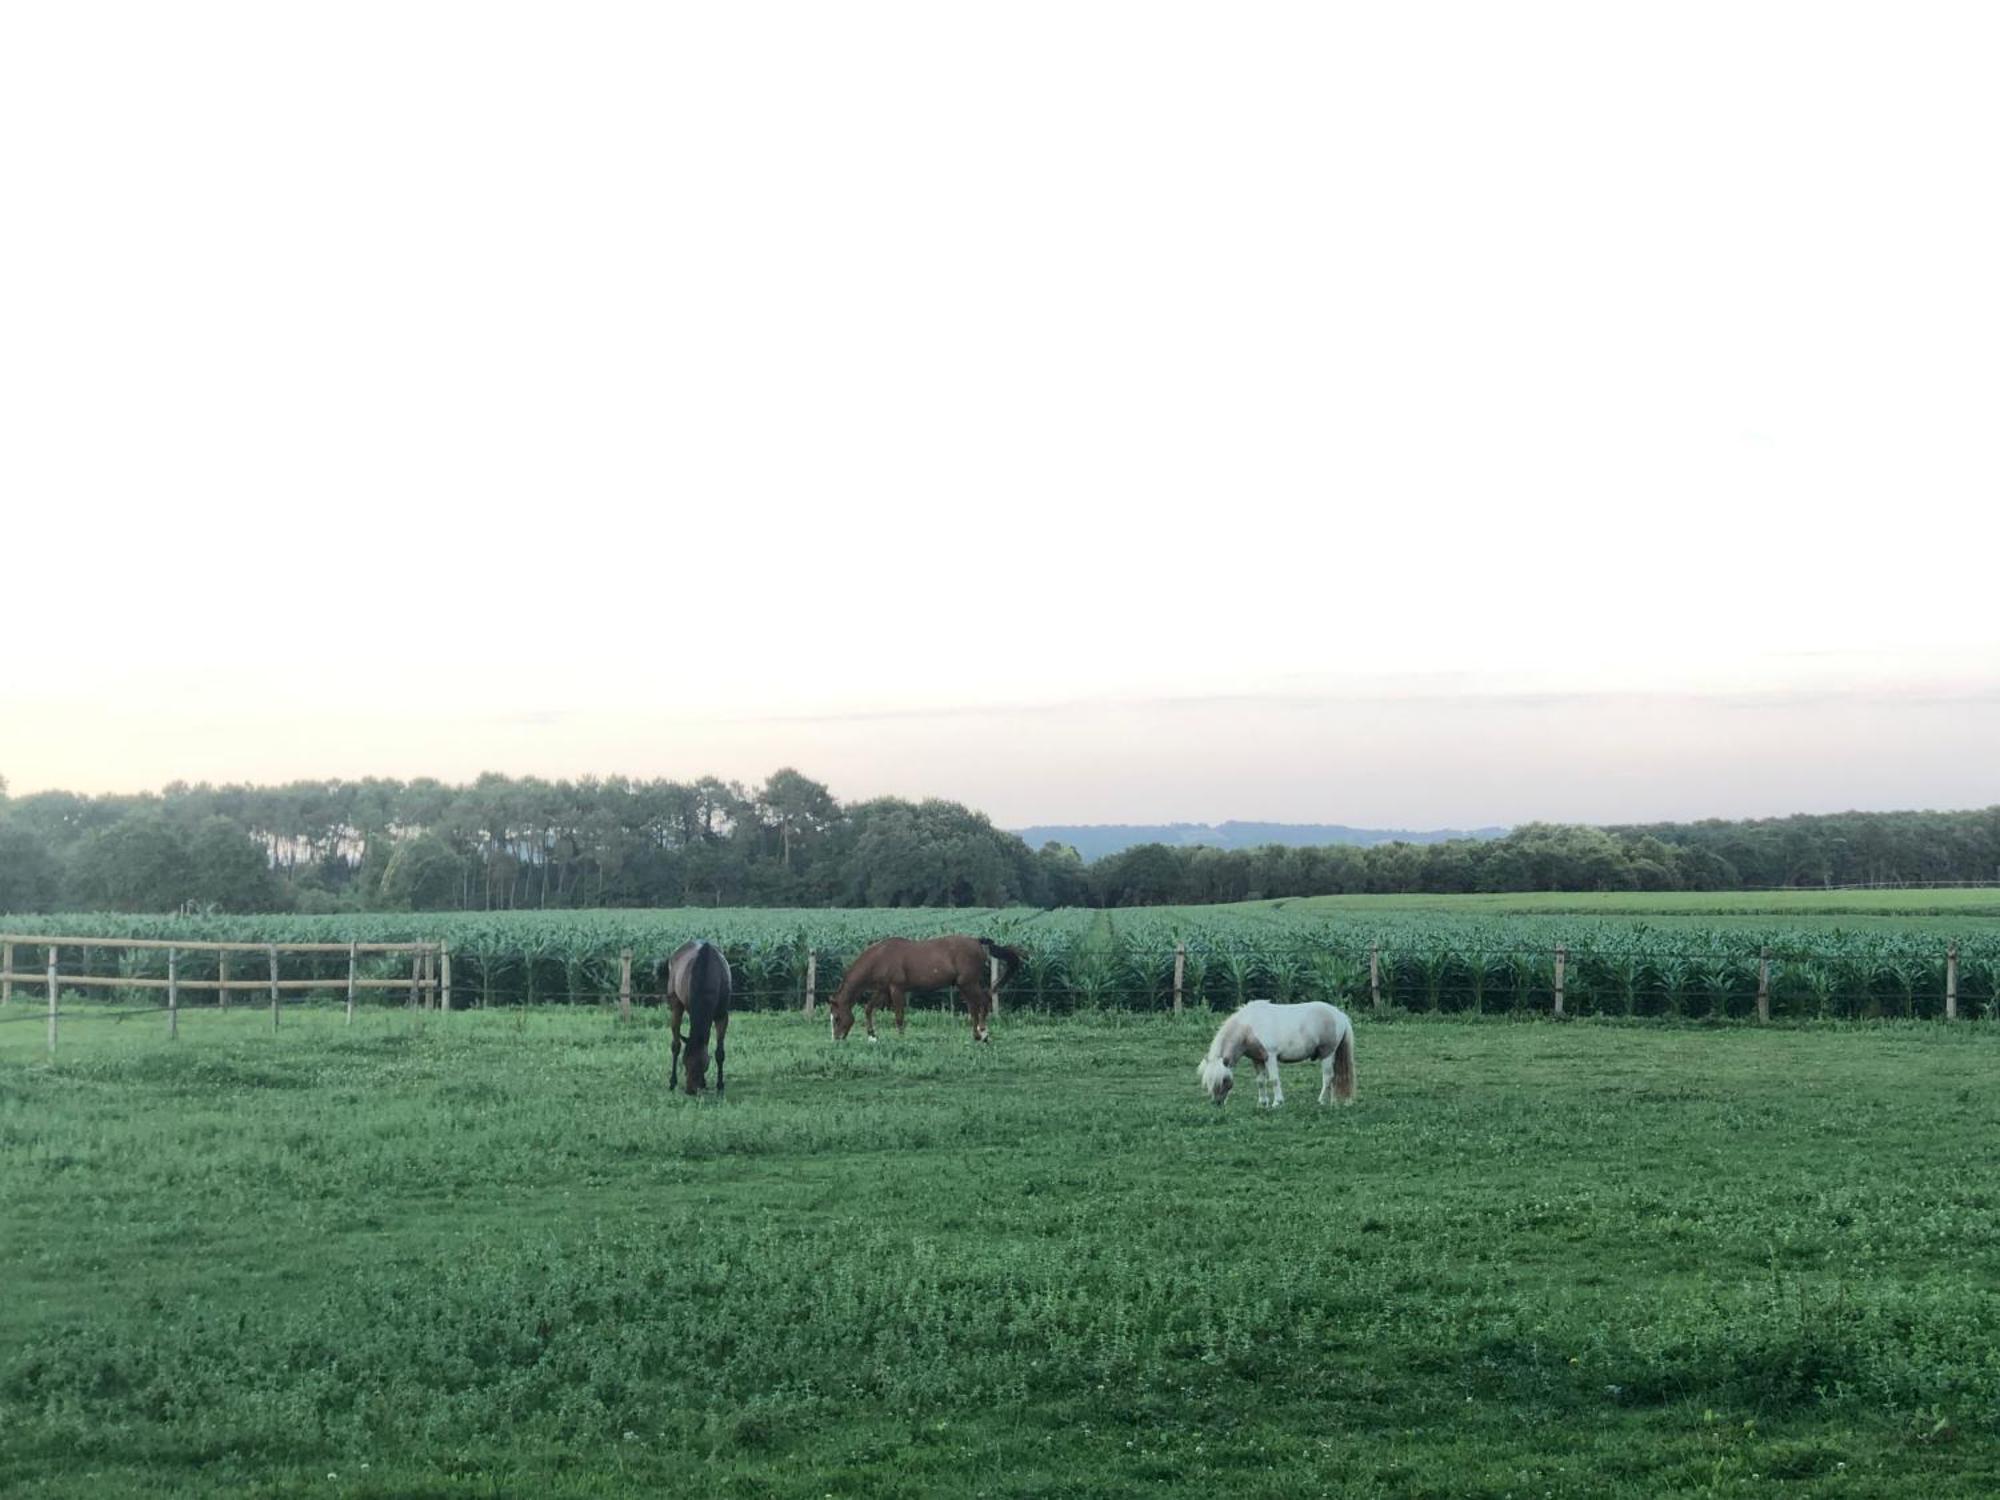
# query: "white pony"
[[1269, 1034]]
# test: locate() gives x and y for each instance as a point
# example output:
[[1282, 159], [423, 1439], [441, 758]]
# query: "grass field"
[[486, 1255]]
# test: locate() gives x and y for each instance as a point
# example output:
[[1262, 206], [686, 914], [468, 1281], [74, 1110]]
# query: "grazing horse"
[[696, 980], [892, 967], [1269, 1034]]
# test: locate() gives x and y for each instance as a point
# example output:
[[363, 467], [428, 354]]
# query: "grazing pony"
[[696, 980], [895, 965], [1269, 1034]]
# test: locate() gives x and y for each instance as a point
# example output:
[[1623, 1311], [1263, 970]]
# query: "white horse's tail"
[[1343, 1067]]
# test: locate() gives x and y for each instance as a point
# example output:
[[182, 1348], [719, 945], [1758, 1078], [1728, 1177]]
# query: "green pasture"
[[486, 1255]]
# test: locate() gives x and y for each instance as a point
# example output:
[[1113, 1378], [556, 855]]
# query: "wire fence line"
[[1721, 980]]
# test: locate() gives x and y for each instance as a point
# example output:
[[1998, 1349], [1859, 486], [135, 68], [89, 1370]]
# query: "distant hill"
[[1095, 840]]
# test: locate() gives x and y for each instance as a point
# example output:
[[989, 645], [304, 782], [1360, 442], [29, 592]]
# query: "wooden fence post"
[[1764, 985], [1375, 975], [444, 977], [173, 994], [222, 979], [993, 982], [416, 970], [52, 1002], [6, 968], [812, 978], [1180, 973], [1951, 983], [1562, 955], [352, 959], [274, 986], [625, 984]]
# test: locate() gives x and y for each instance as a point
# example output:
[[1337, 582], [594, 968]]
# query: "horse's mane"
[[1224, 1034]]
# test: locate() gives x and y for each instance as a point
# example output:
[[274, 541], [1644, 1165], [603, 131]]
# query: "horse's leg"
[[721, 1031], [978, 1001], [874, 999], [1326, 1078], [678, 1009], [898, 1004], [1259, 1059], [1277, 1085]]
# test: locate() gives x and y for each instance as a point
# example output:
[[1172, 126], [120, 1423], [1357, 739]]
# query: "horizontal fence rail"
[[428, 982]]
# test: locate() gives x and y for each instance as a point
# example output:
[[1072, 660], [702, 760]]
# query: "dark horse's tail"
[[1010, 958], [707, 996]]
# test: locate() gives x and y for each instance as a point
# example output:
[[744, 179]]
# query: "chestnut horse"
[[697, 984], [894, 966]]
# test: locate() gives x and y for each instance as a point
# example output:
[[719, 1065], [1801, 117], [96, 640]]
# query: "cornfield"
[[1093, 960]]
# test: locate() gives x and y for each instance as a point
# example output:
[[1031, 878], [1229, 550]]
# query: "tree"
[[1144, 875], [228, 869], [30, 875], [800, 809], [930, 853], [139, 863], [424, 874]]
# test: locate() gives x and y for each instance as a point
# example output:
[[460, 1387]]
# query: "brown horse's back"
[[919, 964]]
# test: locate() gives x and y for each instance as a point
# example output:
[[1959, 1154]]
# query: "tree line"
[[505, 843]]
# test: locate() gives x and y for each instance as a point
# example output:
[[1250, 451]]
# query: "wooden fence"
[[428, 982]]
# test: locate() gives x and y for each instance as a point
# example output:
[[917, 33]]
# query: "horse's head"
[[1217, 1079], [840, 1017], [694, 1066]]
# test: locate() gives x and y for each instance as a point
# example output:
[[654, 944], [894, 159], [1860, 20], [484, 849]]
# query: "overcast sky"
[[1404, 414]]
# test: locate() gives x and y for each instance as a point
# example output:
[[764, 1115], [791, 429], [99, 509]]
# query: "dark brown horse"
[[894, 966], [697, 984]]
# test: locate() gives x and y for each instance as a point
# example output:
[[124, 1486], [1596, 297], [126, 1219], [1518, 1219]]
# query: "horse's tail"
[[1343, 1067], [1010, 958], [708, 992]]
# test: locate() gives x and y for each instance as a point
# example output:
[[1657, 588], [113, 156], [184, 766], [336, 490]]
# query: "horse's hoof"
[[873, 1038]]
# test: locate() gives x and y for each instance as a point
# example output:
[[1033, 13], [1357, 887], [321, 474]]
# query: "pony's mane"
[[1230, 1031]]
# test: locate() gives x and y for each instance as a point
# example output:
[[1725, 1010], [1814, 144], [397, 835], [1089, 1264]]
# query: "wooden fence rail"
[[429, 980]]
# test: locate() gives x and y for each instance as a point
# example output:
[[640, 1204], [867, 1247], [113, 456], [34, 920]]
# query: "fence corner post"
[[1180, 973], [625, 984], [1951, 983], [353, 956], [444, 977], [993, 983], [1375, 975], [1562, 958], [812, 979], [274, 986], [52, 1002], [1764, 985], [173, 994]]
